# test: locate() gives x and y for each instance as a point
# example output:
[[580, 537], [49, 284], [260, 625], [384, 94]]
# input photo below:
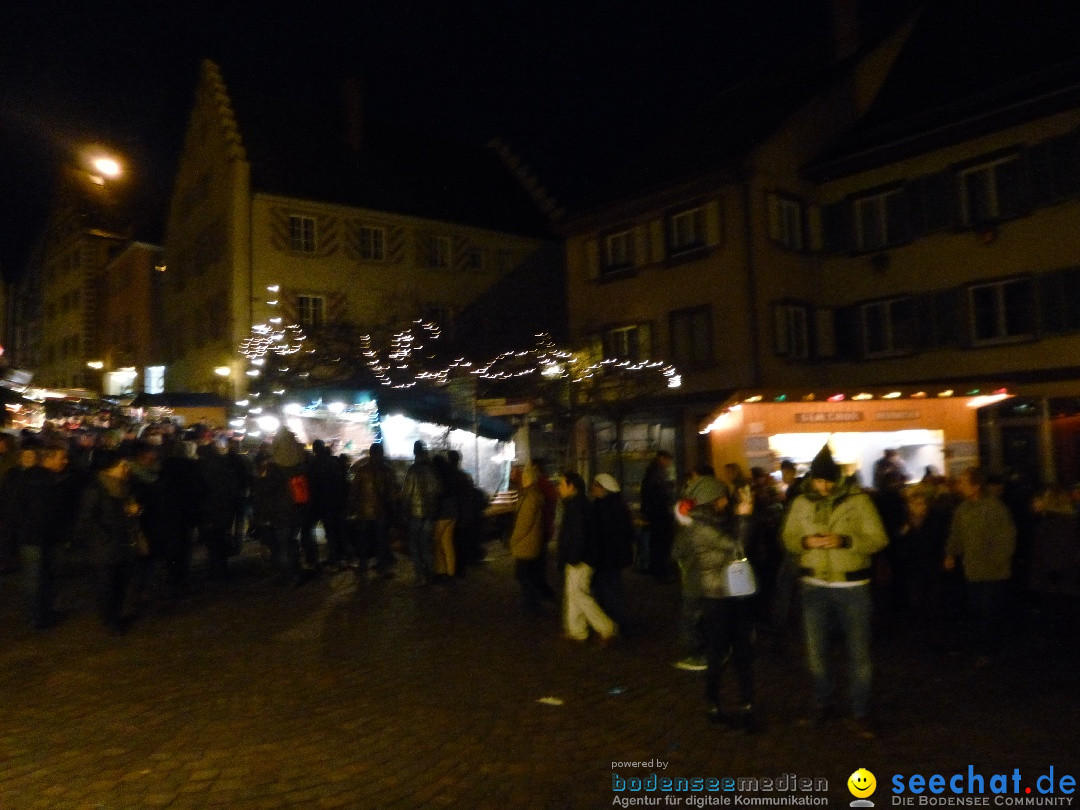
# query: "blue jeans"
[[421, 532], [845, 612], [987, 602], [39, 584]]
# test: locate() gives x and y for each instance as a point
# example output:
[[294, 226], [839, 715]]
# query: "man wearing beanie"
[[834, 528]]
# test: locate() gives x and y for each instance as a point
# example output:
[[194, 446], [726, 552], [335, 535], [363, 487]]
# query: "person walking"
[[834, 528], [657, 507], [614, 528], [446, 518], [982, 538], [576, 551], [107, 524], [40, 524], [526, 541], [711, 537], [373, 508], [420, 497]]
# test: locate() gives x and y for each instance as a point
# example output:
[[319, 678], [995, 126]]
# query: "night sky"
[[570, 85]]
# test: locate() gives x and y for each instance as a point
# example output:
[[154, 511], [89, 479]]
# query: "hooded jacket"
[[705, 544], [846, 511]]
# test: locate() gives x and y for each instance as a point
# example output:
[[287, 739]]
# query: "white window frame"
[[371, 242], [791, 337], [989, 179], [619, 250], [302, 234], [785, 216], [625, 336], [889, 319], [688, 230], [310, 310], [1002, 335], [880, 204]]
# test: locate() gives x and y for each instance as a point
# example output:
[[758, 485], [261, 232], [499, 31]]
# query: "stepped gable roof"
[[297, 148], [969, 67], [723, 132]]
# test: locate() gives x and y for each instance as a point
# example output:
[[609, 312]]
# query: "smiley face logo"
[[862, 783]]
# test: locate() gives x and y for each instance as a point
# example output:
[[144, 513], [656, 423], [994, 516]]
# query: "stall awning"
[[424, 405], [180, 399]]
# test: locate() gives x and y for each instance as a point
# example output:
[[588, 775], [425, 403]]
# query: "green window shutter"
[[713, 231], [656, 240], [592, 259]]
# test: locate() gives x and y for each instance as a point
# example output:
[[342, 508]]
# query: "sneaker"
[[693, 663]]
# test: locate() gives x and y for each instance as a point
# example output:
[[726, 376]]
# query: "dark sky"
[[566, 82]]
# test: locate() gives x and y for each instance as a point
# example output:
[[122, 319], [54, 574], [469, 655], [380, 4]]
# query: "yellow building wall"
[[1042, 241]]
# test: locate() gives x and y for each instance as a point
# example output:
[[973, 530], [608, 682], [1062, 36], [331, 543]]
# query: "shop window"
[[692, 337], [1002, 312], [888, 327], [791, 330], [309, 310], [785, 221], [302, 234], [633, 342], [880, 220], [687, 230]]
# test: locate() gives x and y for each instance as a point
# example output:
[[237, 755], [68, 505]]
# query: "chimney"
[[845, 28], [352, 100]]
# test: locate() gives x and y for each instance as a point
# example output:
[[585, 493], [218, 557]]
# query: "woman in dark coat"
[[108, 526]]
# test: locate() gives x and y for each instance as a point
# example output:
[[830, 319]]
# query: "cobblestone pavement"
[[349, 693]]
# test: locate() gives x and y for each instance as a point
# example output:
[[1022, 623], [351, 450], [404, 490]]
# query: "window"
[[1002, 311], [437, 252], [888, 327], [309, 310], [687, 230], [632, 342], [791, 336], [372, 244], [785, 222], [302, 234], [618, 251], [692, 337], [880, 220], [476, 260], [993, 191]]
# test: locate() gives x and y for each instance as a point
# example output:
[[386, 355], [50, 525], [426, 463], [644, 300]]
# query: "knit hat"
[[705, 489], [608, 482], [823, 466]]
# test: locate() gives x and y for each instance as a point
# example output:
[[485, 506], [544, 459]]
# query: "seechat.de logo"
[[862, 785]]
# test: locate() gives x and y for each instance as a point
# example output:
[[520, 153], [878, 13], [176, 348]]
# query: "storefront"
[[931, 429]]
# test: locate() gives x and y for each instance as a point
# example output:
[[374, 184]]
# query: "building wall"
[[205, 292], [129, 334], [352, 284], [1038, 244]]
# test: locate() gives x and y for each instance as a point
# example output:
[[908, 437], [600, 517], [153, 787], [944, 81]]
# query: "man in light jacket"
[[835, 528], [983, 537]]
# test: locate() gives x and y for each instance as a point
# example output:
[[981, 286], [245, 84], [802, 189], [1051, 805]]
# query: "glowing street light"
[[107, 166]]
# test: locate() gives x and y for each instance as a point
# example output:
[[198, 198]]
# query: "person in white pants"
[[582, 613]]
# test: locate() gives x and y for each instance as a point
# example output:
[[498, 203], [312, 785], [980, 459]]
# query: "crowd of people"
[[753, 556], [136, 503], [954, 558]]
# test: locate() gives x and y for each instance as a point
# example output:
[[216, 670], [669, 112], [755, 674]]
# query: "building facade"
[[889, 255], [276, 220]]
